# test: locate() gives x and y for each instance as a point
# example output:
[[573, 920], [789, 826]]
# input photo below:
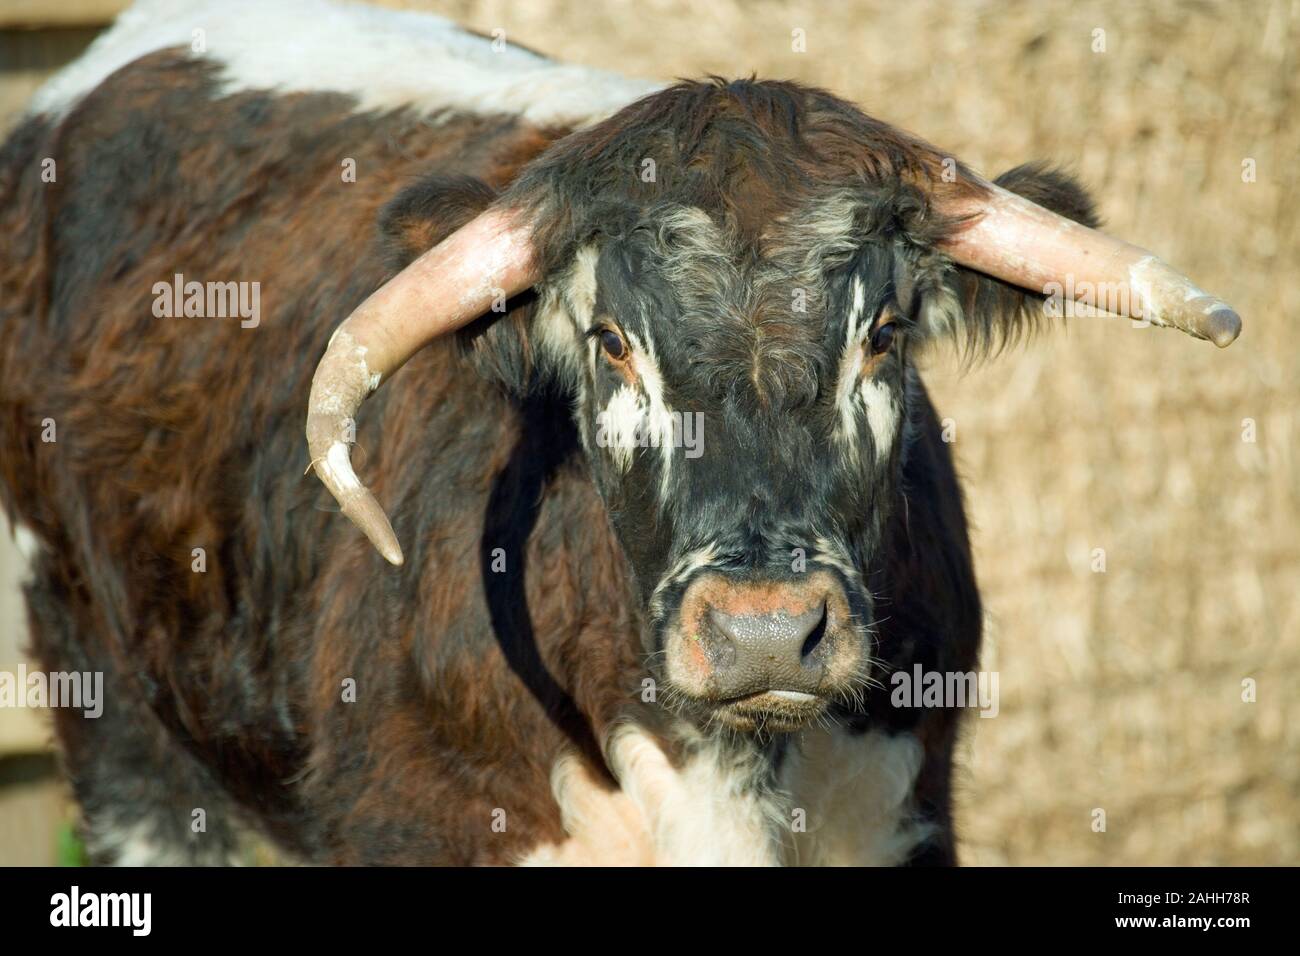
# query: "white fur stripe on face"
[[846, 430], [855, 313], [386, 59], [639, 415], [636, 415], [851, 391], [692, 561], [682, 569], [829, 553], [556, 333], [659, 416], [579, 297], [882, 414], [620, 424], [581, 288]]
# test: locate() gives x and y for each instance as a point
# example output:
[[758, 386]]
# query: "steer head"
[[733, 281]]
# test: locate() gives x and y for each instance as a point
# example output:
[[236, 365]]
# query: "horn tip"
[[385, 542], [1224, 326]]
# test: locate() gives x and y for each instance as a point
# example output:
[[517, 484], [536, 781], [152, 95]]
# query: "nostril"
[[723, 625], [737, 639], [815, 635], [770, 637], [721, 640]]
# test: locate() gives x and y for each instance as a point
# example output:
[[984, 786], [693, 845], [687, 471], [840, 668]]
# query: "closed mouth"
[[796, 697], [774, 710], [793, 696]]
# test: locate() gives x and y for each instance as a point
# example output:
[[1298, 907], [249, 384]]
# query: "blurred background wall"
[[1121, 689]]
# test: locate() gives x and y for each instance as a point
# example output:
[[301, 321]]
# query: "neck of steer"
[[838, 799]]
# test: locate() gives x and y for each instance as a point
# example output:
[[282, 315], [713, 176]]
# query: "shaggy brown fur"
[[510, 634]]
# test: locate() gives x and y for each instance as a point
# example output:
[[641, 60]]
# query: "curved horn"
[[450, 285], [1022, 243]]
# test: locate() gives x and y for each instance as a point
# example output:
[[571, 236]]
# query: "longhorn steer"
[[599, 645]]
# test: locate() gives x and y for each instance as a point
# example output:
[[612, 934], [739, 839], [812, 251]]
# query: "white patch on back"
[[384, 58]]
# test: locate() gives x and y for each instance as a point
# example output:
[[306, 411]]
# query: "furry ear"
[[1053, 189], [422, 215], [983, 313], [427, 212]]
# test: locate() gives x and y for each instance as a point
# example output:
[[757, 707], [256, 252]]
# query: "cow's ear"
[[983, 313], [499, 344], [1053, 189], [427, 212]]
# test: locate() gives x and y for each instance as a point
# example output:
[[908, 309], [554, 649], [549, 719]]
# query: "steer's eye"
[[613, 344], [882, 338]]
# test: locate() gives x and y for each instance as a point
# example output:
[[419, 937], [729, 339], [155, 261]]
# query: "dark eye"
[[882, 338], [612, 343]]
